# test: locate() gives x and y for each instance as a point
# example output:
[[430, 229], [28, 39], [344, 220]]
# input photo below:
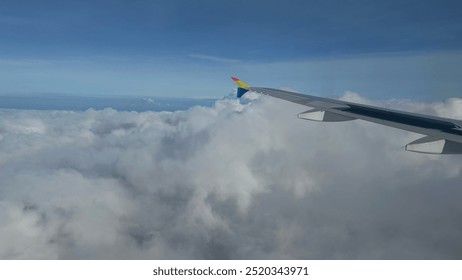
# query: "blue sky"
[[386, 49]]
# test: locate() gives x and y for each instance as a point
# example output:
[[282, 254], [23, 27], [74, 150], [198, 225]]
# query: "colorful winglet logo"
[[242, 87], [240, 83]]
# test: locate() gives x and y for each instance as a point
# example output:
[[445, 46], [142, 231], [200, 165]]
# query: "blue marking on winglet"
[[241, 92]]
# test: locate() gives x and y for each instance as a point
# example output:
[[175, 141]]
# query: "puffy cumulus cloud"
[[230, 181]]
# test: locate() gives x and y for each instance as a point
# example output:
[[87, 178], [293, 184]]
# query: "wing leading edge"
[[444, 136]]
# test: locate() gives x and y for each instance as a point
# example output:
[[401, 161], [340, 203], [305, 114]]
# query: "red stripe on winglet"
[[235, 79]]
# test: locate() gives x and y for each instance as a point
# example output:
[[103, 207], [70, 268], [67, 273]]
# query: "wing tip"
[[242, 87], [240, 83]]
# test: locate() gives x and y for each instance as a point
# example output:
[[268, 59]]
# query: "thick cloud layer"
[[224, 182]]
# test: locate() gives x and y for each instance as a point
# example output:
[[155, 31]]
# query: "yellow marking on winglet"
[[240, 83]]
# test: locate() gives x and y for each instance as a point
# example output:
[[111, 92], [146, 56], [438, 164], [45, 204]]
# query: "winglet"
[[242, 87]]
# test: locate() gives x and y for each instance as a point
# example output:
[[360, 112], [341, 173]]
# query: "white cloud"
[[236, 180]]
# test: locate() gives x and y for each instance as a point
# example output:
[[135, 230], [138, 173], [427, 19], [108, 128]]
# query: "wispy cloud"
[[421, 76], [213, 58]]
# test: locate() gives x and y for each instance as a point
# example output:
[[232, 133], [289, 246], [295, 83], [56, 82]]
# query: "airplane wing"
[[443, 135]]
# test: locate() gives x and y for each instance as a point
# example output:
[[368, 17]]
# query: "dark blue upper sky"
[[237, 29], [211, 31]]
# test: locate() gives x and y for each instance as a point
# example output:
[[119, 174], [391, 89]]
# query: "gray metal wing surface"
[[443, 135]]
